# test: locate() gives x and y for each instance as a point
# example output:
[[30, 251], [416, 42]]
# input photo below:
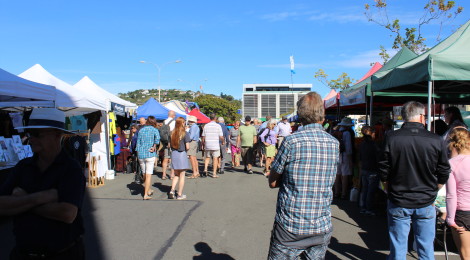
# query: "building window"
[[286, 104], [268, 105], [250, 105]]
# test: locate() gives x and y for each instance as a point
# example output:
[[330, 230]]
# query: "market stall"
[[443, 72]]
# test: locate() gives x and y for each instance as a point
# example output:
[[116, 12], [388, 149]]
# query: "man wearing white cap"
[[194, 134], [44, 194]]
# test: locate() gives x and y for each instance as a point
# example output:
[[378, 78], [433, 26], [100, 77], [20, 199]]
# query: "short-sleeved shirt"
[[246, 135], [194, 132], [212, 133], [284, 129], [148, 136], [33, 231], [182, 145], [307, 161], [234, 135]]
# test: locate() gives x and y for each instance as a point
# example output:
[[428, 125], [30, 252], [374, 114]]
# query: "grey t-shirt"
[[234, 133], [182, 147]]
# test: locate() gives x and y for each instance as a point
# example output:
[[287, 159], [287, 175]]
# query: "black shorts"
[[462, 219]]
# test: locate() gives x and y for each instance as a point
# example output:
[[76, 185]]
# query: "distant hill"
[[140, 96]]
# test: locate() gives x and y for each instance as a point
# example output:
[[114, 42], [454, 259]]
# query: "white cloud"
[[274, 17], [363, 59]]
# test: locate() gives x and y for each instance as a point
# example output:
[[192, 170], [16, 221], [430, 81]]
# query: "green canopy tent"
[[443, 72], [357, 98]]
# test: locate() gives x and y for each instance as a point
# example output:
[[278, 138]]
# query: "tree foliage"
[[220, 106], [341, 83], [435, 11]]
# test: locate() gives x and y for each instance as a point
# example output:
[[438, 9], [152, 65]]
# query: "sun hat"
[[346, 122], [42, 118], [192, 119]]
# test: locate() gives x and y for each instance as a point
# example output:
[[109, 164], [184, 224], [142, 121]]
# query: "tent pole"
[[371, 107], [429, 104]]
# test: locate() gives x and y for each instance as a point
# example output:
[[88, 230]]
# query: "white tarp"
[[18, 92], [172, 106], [87, 85], [68, 98]]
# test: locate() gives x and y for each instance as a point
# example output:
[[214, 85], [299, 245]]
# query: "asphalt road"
[[226, 218]]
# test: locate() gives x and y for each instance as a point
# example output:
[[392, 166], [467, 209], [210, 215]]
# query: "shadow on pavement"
[[351, 251], [206, 253], [93, 242], [374, 232], [135, 189]]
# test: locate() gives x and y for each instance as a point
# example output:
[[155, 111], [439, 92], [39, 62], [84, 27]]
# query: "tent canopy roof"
[[68, 98], [447, 64], [201, 118], [19, 92], [88, 85], [153, 108]]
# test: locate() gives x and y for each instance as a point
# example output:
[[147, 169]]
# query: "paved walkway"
[[226, 218]]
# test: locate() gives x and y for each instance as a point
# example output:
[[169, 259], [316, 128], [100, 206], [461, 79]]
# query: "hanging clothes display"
[[112, 131], [78, 123]]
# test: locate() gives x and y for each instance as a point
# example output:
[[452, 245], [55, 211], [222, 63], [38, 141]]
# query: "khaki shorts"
[[247, 155], [193, 148], [212, 153]]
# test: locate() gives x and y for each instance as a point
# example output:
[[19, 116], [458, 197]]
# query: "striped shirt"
[[148, 136], [307, 161], [212, 132]]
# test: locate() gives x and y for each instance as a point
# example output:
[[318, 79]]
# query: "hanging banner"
[[353, 97], [118, 109]]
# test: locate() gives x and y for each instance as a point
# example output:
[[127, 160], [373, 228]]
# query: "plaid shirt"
[[148, 136], [307, 161]]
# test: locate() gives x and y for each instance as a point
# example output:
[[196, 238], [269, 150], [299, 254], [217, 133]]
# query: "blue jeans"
[[369, 185], [423, 221], [278, 251]]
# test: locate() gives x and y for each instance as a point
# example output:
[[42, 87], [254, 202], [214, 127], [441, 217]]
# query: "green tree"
[[435, 11], [221, 107], [341, 83]]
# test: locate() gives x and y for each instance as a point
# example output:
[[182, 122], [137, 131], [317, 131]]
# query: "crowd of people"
[[410, 165], [152, 142], [310, 166]]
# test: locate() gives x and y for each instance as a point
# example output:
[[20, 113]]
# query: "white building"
[[260, 100]]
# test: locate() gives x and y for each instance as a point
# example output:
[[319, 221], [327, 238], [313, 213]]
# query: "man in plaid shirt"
[[304, 169]]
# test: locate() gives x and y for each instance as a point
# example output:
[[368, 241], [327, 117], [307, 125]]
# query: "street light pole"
[[159, 70]]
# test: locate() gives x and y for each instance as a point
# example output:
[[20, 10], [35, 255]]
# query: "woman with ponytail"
[[458, 190], [179, 143]]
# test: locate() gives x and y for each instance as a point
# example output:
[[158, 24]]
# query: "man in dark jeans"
[[413, 168], [44, 194]]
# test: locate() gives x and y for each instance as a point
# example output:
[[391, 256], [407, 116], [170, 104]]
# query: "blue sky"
[[222, 44]]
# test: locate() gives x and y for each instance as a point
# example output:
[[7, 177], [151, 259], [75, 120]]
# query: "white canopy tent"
[[72, 100], [172, 106], [17, 93], [87, 85]]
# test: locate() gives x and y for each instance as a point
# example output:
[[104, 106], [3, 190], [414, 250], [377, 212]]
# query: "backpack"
[[165, 133], [261, 142]]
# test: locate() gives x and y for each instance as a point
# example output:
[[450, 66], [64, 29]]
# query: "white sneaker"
[[182, 197], [171, 195]]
